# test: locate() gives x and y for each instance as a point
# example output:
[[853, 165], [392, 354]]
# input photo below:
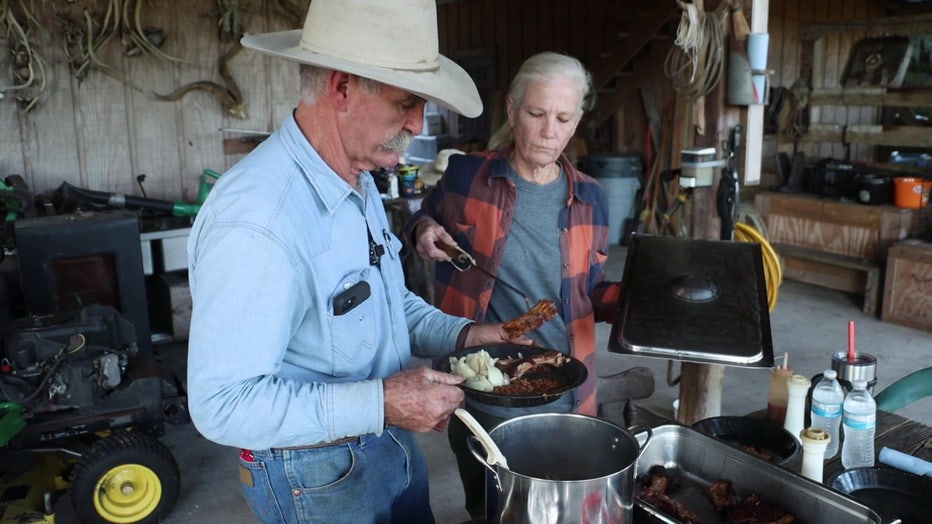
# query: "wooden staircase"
[[644, 39]]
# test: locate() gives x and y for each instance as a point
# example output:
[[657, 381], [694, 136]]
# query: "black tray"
[[573, 372], [892, 493], [694, 300]]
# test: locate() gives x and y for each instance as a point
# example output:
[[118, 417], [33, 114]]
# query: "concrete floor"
[[809, 323]]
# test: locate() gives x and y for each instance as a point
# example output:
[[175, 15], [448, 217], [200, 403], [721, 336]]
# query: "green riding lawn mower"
[[83, 404], [81, 411]]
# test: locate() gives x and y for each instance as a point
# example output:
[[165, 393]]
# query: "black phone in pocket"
[[352, 297]]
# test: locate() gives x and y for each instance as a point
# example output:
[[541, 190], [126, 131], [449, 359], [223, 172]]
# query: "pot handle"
[[637, 428], [472, 442]]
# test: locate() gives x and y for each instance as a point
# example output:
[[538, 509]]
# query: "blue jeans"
[[378, 479]]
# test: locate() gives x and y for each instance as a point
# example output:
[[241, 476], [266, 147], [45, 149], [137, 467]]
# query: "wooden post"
[[700, 391], [755, 124], [701, 384]]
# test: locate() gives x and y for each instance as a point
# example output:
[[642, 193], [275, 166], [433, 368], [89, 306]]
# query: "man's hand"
[[480, 334], [421, 399], [426, 234]]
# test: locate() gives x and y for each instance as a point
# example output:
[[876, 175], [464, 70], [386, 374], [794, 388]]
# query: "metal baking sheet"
[[699, 460], [695, 300]]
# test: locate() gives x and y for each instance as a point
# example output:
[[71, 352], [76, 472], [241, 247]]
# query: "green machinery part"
[[186, 209], [11, 421]]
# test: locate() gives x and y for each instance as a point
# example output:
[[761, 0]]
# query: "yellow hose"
[[773, 271]]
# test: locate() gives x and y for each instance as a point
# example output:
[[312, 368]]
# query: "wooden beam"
[[871, 96], [897, 136], [920, 24], [755, 124]]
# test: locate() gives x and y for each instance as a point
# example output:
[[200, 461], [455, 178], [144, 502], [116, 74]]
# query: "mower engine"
[[58, 362]]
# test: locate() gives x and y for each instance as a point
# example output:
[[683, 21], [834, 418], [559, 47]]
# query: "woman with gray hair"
[[537, 67], [528, 216]]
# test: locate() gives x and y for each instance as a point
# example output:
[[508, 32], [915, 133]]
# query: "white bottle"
[[859, 422], [392, 183], [825, 414], [796, 388], [814, 442]]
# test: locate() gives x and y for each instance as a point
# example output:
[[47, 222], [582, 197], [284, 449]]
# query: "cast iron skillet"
[[573, 372], [892, 493], [765, 437]]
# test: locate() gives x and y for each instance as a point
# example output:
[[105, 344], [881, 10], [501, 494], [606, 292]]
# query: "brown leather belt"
[[337, 442]]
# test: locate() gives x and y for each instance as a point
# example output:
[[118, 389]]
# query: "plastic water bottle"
[[859, 422], [827, 398]]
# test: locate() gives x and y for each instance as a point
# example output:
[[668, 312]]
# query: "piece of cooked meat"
[[753, 510], [654, 493], [541, 312], [521, 365], [721, 495]]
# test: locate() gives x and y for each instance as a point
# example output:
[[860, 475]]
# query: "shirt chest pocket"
[[352, 328]]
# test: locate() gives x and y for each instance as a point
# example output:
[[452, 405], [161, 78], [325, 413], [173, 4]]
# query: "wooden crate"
[[907, 296], [845, 228]]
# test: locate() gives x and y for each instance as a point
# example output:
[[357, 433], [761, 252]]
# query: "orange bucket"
[[911, 192]]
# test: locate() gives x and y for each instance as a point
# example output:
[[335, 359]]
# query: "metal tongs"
[[462, 261]]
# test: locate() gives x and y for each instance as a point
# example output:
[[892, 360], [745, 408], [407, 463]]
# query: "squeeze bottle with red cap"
[[776, 400]]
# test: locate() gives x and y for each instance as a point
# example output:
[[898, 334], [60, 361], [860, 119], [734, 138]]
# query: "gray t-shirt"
[[531, 262]]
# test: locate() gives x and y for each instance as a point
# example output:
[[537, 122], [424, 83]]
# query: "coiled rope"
[[694, 63]]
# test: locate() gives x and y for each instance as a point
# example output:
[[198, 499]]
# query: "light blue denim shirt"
[[269, 363]]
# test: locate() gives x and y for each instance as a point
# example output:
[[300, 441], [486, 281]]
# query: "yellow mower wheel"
[[127, 492], [125, 478]]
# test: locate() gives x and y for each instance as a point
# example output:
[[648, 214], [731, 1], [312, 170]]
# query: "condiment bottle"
[[776, 400], [393, 183], [814, 443], [796, 388]]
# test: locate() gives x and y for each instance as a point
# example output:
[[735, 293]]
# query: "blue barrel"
[[620, 176]]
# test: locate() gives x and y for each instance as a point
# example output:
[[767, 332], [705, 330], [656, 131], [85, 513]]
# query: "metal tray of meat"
[[697, 461]]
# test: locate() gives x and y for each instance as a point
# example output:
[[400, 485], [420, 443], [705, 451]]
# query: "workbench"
[[835, 244]]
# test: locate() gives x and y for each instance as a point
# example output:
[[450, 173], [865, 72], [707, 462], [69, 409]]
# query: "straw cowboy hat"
[[393, 42], [430, 173]]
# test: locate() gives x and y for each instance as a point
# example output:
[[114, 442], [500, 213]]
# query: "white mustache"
[[400, 142]]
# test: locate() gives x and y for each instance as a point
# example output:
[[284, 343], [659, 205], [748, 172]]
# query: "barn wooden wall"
[[786, 18], [101, 134], [514, 30]]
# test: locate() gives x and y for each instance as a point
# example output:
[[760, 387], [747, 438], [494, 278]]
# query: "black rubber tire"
[[125, 478]]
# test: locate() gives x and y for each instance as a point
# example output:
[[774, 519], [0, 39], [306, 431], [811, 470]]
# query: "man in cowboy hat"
[[302, 331]]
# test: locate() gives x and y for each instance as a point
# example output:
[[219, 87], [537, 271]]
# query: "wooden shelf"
[[877, 135], [871, 97]]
